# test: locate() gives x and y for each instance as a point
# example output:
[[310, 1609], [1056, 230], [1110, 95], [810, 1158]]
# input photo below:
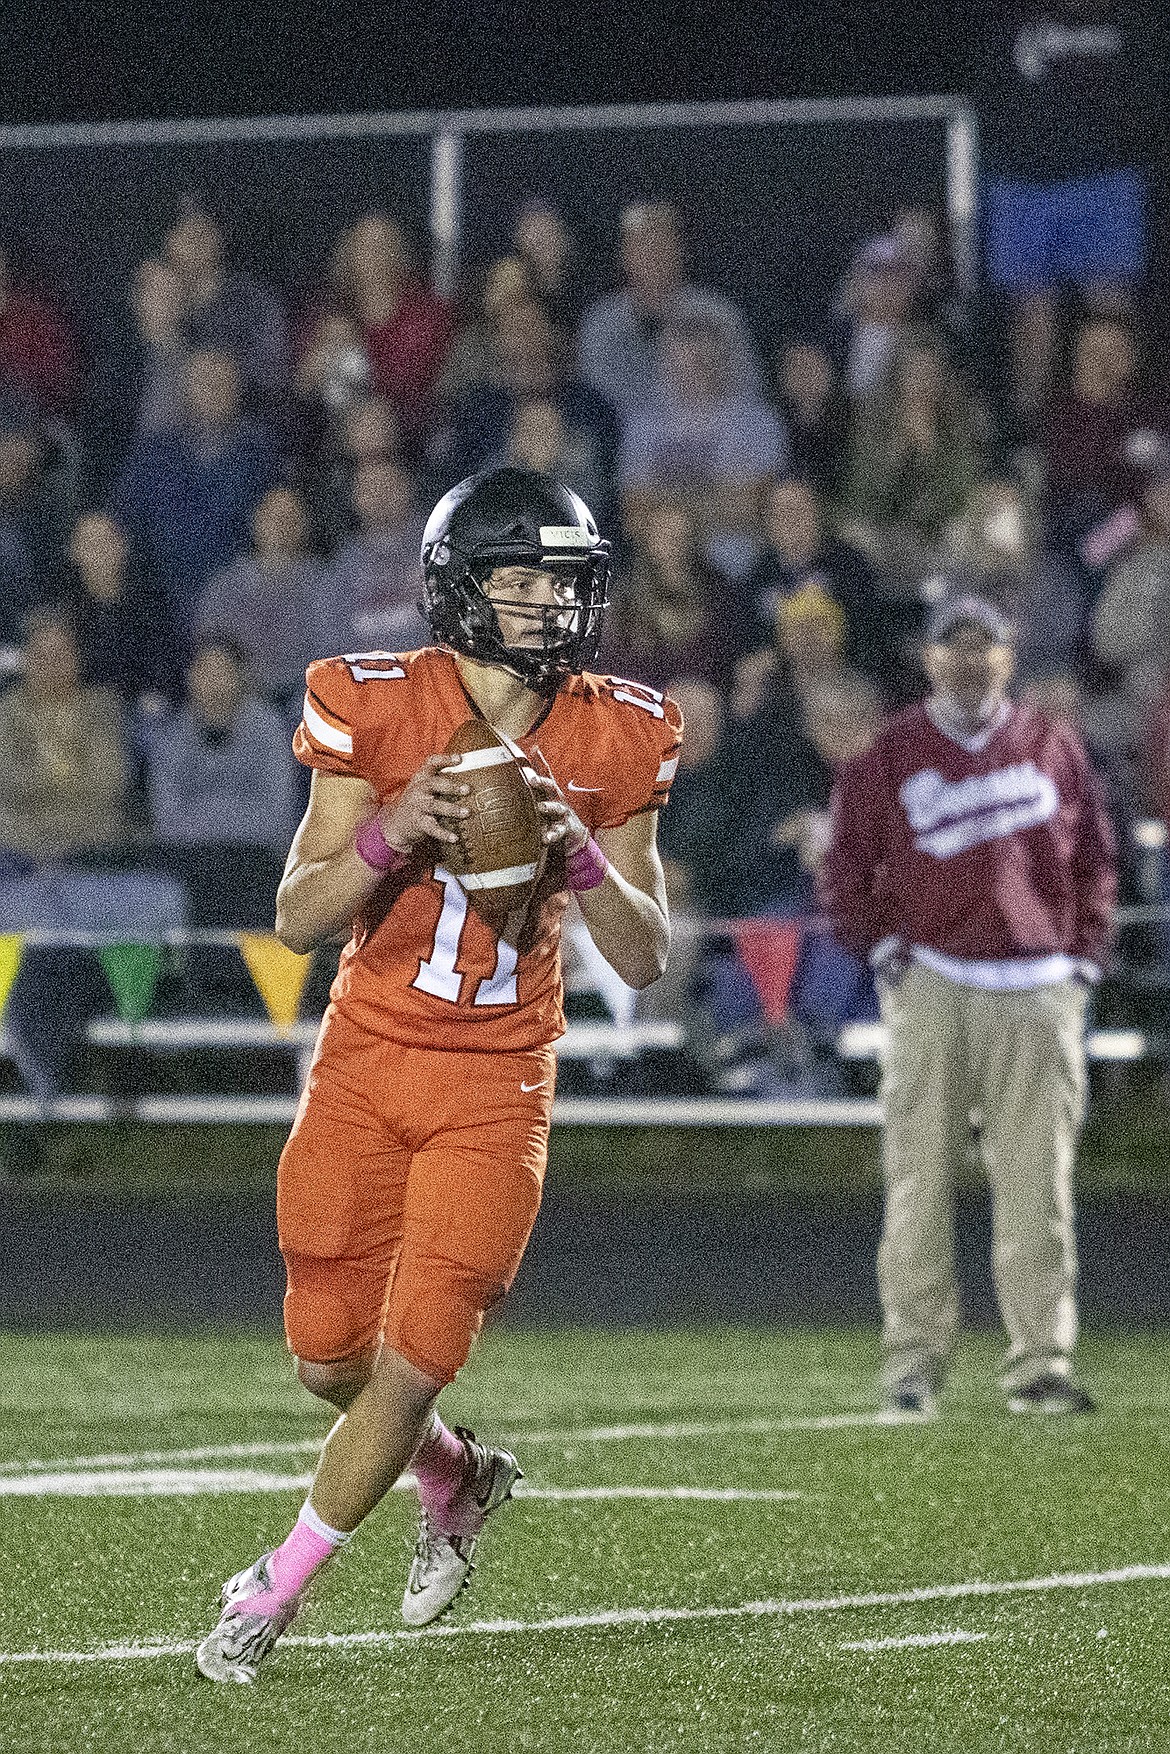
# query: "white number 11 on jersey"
[[438, 974]]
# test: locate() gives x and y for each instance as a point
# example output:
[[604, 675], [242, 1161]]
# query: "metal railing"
[[449, 131], [602, 1045]]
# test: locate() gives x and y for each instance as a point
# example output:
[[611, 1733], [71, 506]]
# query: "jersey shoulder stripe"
[[325, 727]]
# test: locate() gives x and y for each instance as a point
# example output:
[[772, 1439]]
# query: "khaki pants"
[[1017, 1057]]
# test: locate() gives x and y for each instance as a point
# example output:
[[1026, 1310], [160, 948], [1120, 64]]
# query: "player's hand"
[[428, 807], [561, 822]]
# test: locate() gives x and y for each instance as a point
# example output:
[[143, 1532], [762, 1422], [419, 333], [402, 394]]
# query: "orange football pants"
[[406, 1194]]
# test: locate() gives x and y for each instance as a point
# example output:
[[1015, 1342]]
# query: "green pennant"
[[132, 971]]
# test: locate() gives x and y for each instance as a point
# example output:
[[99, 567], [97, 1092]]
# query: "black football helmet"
[[516, 517]]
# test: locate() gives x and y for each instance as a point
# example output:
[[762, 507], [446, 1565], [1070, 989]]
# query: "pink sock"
[[440, 1467], [302, 1552]]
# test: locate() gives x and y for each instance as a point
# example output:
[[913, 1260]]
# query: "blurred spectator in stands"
[[473, 354], [782, 763], [1153, 795], [694, 842], [186, 494], [936, 298], [696, 867], [800, 551], [227, 310], [62, 761], [814, 411], [620, 339], [405, 328], [1070, 101], [697, 435], [876, 307], [220, 768], [18, 592], [1130, 636], [1104, 435], [785, 761], [370, 590], [38, 352], [137, 380], [672, 612], [1131, 617], [995, 552], [122, 633], [63, 848], [548, 250], [529, 364], [807, 646], [365, 431], [539, 437], [1114, 735], [38, 488], [22, 573], [267, 602], [915, 456], [222, 790], [332, 377], [1149, 834]]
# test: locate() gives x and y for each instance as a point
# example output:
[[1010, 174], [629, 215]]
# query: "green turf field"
[[975, 1583]]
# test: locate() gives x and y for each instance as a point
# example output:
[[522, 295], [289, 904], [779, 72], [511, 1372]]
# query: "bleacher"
[[223, 1060]]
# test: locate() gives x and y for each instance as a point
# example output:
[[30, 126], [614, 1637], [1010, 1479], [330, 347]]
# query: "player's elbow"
[[293, 927], [293, 935], [645, 963]]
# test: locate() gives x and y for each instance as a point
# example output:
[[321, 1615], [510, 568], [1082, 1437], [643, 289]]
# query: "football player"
[[411, 1179]]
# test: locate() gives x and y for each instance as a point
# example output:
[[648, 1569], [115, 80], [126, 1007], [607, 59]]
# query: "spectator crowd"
[[220, 485]]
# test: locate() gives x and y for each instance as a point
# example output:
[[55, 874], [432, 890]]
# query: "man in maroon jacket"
[[972, 861]]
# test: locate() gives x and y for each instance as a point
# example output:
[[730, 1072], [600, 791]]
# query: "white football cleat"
[[442, 1563], [241, 1641]]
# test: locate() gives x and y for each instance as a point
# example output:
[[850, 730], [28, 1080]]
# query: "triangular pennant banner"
[[132, 971], [769, 950], [11, 951], [279, 974]]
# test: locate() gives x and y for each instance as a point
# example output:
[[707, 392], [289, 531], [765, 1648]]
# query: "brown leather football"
[[501, 853]]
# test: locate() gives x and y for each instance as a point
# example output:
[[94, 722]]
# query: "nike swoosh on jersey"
[[529, 1087], [574, 787]]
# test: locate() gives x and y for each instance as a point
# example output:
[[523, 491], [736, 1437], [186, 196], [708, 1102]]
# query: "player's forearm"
[[630, 928], [319, 898]]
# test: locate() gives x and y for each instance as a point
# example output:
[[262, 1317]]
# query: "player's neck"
[[501, 697]]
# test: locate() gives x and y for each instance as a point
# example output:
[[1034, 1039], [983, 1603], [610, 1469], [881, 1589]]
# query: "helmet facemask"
[[559, 638]]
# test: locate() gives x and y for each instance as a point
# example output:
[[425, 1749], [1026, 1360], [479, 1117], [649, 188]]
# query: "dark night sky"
[[192, 61]]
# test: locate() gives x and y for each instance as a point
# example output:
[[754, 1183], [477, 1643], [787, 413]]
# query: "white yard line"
[[758, 1427], [705, 1494], [913, 1641], [200, 1482], [208, 1452], [149, 1483], [973, 1590], [882, 1416]]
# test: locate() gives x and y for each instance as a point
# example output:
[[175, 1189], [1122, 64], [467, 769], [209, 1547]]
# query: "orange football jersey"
[[422, 967]]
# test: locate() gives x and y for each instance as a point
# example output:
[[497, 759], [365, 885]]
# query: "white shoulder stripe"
[[668, 769], [325, 733]]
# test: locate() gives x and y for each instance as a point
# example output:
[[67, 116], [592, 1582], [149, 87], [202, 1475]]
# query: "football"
[[501, 853]]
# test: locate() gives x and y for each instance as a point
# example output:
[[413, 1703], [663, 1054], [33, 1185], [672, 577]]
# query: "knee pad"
[[435, 1322], [331, 1311]]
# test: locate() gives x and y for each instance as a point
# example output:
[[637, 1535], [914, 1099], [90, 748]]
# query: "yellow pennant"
[[279, 974], [11, 951]]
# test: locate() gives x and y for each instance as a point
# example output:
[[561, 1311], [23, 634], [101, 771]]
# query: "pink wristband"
[[374, 850], [586, 867]]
